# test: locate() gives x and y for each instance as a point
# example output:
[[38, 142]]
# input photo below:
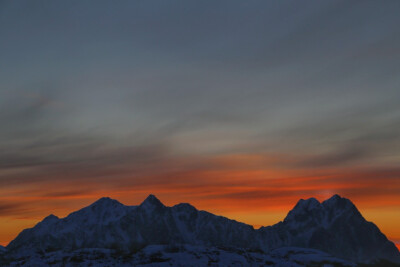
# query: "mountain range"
[[332, 231]]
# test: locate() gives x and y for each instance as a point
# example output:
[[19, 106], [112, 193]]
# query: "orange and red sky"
[[235, 186], [240, 108]]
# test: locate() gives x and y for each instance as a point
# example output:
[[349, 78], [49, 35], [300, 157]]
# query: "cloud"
[[351, 155], [12, 208]]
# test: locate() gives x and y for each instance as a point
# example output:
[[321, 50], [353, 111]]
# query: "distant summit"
[[334, 226], [151, 203], [320, 213]]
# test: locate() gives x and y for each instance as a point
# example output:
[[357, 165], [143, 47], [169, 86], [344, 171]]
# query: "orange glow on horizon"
[[239, 187], [262, 211]]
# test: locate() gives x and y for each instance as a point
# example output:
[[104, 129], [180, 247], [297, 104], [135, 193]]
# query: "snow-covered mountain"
[[109, 224], [334, 226]]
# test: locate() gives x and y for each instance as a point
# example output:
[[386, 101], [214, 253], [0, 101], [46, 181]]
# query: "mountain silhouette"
[[334, 227]]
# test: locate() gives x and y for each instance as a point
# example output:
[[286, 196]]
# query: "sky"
[[239, 107]]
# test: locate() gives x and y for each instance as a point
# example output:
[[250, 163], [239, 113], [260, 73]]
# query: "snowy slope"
[[334, 226], [93, 226], [185, 255]]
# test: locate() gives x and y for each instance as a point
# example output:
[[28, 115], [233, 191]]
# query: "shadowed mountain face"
[[334, 226]]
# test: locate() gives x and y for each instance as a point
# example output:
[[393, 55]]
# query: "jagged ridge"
[[334, 226]]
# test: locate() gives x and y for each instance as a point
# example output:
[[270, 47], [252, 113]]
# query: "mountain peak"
[[335, 197], [151, 201], [51, 217], [337, 202], [307, 204], [48, 220], [303, 209], [311, 202], [105, 201]]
